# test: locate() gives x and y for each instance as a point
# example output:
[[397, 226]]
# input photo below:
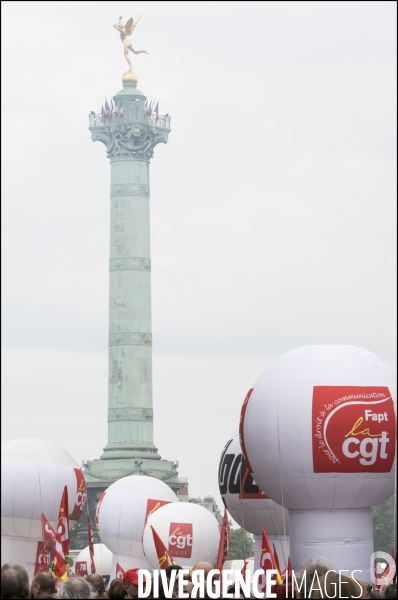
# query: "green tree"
[[383, 525], [241, 545]]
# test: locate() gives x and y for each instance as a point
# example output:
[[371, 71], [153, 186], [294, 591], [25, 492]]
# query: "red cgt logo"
[[180, 540], [152, 506], [81, 495], [353, 429]]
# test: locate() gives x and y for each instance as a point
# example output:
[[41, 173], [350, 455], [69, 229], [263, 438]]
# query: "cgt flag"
[[91, 545], [164, 557], [267, 561], [60, 562], [42, 558], [224, 542], [119, 572], [48, 533]]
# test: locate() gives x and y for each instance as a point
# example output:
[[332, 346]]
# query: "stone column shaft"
[[130, 417]]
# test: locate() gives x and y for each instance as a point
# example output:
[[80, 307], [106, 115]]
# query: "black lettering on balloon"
[[224, 471], [235, 477], [227, 445], [250, 486]]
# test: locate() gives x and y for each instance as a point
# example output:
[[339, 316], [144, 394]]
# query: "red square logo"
[[353, 429], [180, 540], [152, 506]]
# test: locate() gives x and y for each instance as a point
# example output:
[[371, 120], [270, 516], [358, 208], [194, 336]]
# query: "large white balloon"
[[33, 476], [318, 433], [189, 531], [248, 505], [123, 510]]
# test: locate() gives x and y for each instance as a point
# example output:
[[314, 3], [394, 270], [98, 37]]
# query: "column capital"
[[127, 138]]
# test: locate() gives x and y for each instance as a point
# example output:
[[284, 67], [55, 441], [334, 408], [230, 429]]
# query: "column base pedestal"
[[101, 473], [117, 451]]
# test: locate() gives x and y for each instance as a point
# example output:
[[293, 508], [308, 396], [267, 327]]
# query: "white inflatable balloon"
[[189, 531], [249, 506], [33, 476], [102, 559], [122, 513], [122, 563], [318, 433]]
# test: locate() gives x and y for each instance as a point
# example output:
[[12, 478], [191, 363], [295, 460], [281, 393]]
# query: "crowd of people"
[[315, 580]]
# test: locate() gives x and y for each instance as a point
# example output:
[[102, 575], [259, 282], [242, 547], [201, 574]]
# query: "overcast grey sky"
[[272, 207]]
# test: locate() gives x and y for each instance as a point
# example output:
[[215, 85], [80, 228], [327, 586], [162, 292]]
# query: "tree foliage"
[[384, 526], [241, 545], [81, 524]]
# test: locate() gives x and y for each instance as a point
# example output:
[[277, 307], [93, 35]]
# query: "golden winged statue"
[[125, 31]]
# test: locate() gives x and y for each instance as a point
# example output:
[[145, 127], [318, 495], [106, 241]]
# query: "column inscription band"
[[130, 414], [131, 264], [130, 339], [129, 189]]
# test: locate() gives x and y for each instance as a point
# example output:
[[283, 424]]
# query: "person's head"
[[14, 582], [130, 581], [168, 570], [334, 585], [391, 591], [117, 591], [366, 588], [205, 568], [98, 584], [311, 570], [382, 590], [186, 586], [43, 584], [76, 588], [231, 590]]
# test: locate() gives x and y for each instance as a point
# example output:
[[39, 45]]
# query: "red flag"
[[91, 544], [42, 558], [48, 533], [119, 571], [164, 557], [60, 562], [81, 568], [223, 546], [288, 571], [243, 571], [78, 501], [276, 558], [267, 562]]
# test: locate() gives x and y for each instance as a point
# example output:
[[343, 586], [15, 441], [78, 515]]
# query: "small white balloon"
[[189, 531], [124, 508], [102, 559]]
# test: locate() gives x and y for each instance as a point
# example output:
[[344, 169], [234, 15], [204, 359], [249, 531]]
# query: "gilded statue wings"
[[130, 24]]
